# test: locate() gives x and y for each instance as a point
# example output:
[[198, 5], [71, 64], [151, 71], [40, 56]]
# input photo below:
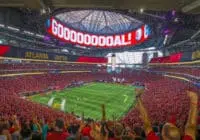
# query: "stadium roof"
[[98, 21], [191, 6], [157, 14]]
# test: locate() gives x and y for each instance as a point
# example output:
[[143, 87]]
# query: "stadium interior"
[[99, 70]]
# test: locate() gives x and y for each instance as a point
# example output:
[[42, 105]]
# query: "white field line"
[[50, 102], [63, 105]]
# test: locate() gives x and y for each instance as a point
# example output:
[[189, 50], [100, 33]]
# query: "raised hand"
[[192, 95], [191, 124], [139, 91], [103, 112]]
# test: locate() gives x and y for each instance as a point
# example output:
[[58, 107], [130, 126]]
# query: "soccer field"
[[118, 99]]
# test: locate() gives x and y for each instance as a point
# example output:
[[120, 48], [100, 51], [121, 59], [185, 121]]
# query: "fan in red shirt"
[[170, 131], [86, 130], [58, 134]]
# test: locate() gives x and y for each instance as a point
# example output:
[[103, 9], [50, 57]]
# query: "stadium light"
[[165, 40], [42, 11], [191, 6], [65, 50], [12, 28], [2, 25], [141, 10], [38, 35], [28, 32]]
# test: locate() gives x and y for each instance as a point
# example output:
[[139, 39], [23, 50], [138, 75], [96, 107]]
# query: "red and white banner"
[[65, 34]]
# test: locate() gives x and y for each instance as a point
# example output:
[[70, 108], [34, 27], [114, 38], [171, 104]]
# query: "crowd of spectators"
[[163, 98], [194, 71], [43, 67], [69, 128], [41, 82]]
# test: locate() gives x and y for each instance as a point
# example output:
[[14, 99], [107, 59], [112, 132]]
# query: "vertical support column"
[[113, 62]]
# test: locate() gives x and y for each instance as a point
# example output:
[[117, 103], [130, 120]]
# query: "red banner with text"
[[65, 34]]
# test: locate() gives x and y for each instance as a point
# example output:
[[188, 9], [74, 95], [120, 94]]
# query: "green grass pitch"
[[88, 98]]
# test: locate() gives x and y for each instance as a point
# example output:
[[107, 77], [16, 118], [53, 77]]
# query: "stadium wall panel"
[[187, 56], [178, 57], [16, 52]]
